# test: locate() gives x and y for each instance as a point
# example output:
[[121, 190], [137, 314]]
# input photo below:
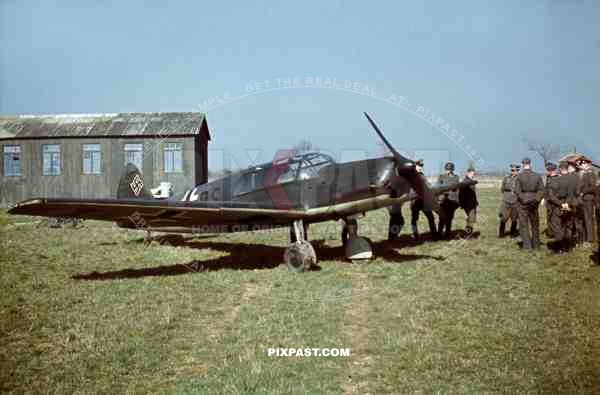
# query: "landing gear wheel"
[[356, 248], [300, 256]]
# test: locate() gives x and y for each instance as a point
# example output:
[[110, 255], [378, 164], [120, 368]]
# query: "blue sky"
[[493, 71]]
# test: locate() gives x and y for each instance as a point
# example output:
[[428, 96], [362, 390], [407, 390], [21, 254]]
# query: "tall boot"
[[514, 232], [395, 226], [448, 233], [415, 232], [502, 229], [440, 231]]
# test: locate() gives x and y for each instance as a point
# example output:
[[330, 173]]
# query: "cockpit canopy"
[[300, 167], [305, 166]]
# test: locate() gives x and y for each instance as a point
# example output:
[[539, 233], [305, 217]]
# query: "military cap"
[[526, 161], [550, 166], [572, 161], [449, 166], [515, 166], [585, 160], [419, 162], [471, 168]]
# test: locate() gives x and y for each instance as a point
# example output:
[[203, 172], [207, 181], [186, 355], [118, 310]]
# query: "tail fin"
[[131, 185]]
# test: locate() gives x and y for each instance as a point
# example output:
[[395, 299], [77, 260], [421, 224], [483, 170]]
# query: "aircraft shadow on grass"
[[246, 256]]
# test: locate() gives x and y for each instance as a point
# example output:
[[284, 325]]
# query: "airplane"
[[294, 190]]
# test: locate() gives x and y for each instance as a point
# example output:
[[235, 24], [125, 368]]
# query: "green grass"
[[94, 309]]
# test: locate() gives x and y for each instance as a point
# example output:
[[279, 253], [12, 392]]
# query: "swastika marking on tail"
[[136, 184]]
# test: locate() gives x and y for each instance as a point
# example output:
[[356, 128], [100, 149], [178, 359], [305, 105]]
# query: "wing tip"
[[25, 203]]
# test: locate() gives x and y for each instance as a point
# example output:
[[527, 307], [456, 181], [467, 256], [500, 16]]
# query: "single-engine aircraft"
[[293, 191]]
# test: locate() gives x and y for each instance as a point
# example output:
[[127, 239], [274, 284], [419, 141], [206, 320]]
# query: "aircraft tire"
[[300, 256]]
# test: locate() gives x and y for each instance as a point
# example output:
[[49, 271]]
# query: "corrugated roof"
[[101, 125]]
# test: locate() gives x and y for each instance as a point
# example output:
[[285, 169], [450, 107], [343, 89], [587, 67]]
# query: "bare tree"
[[303, 145], [546, 150]]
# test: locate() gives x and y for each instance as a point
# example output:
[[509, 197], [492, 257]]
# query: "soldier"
[[467, 197], [448, 201], [578, 226], [555, 198], [551, 177], [560, 192], [508, 208], [529, 188], [416, 206], [396, 221], [586, 191], [598, 218]]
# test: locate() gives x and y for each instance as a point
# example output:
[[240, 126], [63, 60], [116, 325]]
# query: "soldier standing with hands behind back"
[[529, 188], [560, 193], [509, 206]]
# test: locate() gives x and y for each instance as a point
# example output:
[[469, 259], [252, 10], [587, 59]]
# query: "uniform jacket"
[[508, 189], [529, 187], [560, 189], [467, 196], [448, 179], [598, 199], [552, 190], [418, 202], [586, 189]]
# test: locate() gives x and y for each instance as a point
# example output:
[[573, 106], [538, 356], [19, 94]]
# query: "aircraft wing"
[[154, 212], [159, 213]]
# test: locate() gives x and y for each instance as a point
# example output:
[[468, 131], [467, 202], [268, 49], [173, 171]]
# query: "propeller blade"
[[406, 168], [400, 159]]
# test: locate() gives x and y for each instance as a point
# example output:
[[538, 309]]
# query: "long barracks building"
[[83, 155]]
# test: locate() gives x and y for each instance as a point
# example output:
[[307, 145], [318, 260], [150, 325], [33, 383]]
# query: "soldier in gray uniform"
[[529, 188], [508, 208], [586, 192], [396, 219], [598, 219], [448, 201], [551, 181], [578, 227], [560, 192], [467, 197], [416, 206]]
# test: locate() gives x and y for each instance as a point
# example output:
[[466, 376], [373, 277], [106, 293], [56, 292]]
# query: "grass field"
[[96, 310]]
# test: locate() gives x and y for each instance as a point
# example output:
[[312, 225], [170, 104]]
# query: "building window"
[[134, 153], [173, 157], [51, 159], [91, 159], [12, 160]]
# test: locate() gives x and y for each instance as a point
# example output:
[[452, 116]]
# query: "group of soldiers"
[[464, 197], [571, 194]]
